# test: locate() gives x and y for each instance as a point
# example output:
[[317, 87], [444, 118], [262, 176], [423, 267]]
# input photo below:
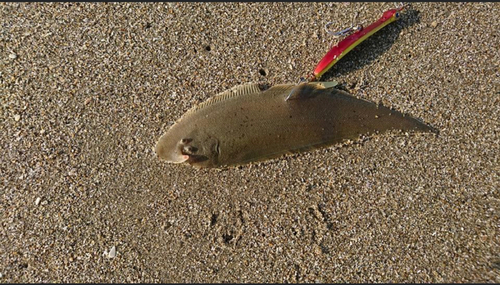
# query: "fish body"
[[246, 124]]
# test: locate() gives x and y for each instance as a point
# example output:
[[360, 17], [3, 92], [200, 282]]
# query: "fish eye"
[[190, 149], [396, 15]]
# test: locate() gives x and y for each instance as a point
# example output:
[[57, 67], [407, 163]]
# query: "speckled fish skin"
[[257, 125]]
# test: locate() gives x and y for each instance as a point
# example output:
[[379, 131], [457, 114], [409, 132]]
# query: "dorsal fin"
[[239, 90]]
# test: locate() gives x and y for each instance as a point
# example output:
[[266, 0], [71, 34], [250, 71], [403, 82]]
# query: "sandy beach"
[[87, 89]]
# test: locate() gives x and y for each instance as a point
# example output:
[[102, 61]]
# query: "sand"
[[87, 90]]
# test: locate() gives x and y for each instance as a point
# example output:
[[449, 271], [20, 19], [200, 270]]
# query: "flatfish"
[[246, 124]]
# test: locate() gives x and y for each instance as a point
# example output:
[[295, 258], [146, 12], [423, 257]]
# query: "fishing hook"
[[342, 32]]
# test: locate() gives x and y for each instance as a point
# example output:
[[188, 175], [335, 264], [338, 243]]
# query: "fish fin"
[[326, 84], [239, 90], [305, 90], [298, 92]]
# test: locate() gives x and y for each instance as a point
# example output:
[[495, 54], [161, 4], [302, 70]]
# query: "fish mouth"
[[181, 157], [193, 158], [170, 157]]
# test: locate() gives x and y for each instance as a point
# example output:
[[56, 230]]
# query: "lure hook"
[[400, 6], [342, 32]]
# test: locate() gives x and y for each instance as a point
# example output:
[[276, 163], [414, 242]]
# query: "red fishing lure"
[[350, 42], [347, 44]]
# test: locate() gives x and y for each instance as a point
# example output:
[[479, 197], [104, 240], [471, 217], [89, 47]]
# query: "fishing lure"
[[346, 45]]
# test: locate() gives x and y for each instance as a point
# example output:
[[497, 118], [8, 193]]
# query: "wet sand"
[[87, 90]]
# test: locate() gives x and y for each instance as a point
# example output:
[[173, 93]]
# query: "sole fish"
[[246, 124]]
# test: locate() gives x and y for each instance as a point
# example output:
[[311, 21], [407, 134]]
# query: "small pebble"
[[112, 252], [17, 118], [317, 249], [37, 201], [12, 56], [434, 24]]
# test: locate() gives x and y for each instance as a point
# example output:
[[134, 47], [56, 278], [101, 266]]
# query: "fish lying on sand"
[[246, 124]]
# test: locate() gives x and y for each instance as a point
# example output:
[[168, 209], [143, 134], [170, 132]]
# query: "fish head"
[[194, 147]]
